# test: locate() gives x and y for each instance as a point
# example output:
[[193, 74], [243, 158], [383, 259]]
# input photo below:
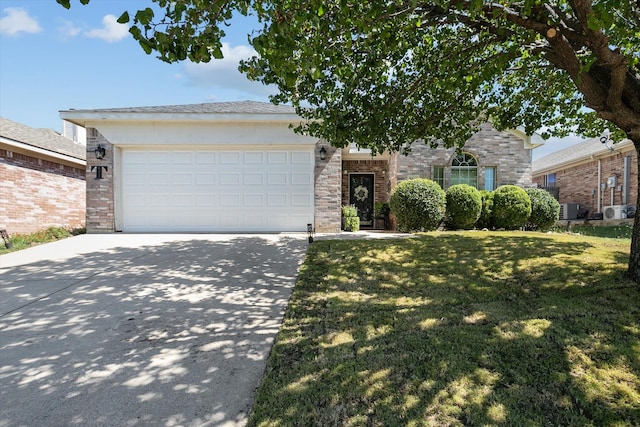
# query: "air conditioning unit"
[[614, 212], [569, 210]]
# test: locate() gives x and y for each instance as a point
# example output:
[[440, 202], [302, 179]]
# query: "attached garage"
[[219, 167], [199, 190]]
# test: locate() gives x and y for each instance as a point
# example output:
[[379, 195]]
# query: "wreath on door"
[[361, 193]]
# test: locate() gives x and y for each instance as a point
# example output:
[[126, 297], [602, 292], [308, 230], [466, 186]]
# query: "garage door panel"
[[254, 158], [217, 190], [253, 200], [229, 178], [253, 178], [301, 157], [301, 200], [277, 178], [230, 158], [277, 158]]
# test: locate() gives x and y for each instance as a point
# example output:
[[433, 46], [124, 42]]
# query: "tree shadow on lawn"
[[451, 329]]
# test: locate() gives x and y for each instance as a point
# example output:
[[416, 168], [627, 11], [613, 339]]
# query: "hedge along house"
[[238, 167], [42, 179], [591, 179]]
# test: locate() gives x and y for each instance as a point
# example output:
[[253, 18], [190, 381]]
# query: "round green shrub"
[[545, 210], [511, 207], [486, 214], [418, 204], [464, 205]]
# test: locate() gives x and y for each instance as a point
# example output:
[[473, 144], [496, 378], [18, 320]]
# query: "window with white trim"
[[464, 170]]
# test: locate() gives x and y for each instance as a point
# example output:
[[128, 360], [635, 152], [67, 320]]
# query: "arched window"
[[464, 170]]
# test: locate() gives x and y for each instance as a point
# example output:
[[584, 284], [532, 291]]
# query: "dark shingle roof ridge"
[[224, 107], [43, 138]]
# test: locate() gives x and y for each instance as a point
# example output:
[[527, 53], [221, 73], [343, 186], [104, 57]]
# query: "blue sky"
[[55, 59]]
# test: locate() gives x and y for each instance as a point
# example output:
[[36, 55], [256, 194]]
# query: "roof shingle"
[[577, 152], [46, 139], [240, 107]]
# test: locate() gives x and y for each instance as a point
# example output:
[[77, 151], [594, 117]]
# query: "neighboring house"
[[42, 179], [237, 166], [591, 178]]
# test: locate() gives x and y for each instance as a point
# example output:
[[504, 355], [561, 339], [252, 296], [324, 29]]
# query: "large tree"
[[385, 74]]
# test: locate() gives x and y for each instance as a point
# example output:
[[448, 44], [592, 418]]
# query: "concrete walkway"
[[141, 330]]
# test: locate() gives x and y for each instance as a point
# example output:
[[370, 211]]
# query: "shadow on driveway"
[[171, 333]]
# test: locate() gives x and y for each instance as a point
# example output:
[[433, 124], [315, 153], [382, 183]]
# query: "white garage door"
[[216, 190]]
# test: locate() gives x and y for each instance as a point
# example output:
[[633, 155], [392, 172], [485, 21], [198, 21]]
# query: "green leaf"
[[144, 16], [124, 18], [64, 3]]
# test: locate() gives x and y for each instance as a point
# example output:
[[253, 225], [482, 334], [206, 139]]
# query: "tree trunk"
[[634, 257]]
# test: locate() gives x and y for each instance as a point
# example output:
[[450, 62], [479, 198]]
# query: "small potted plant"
[[350, 218]]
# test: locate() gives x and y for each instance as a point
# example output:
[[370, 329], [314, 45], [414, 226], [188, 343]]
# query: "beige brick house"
[[238, 167], [42, 179], [591, 178]]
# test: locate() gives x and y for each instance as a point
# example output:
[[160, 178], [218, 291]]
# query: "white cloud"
[[18, 20], [111, 30], [223, 74], [68, 29]]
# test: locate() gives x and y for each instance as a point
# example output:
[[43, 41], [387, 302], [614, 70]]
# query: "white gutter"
[[26, 148]]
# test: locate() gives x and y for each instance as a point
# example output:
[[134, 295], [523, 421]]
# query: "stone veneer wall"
[[37, 194], [328, 175], [100, 202], [502, 150], [579, 183]]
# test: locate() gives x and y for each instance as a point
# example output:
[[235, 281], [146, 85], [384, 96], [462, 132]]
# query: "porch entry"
[[362, 197]]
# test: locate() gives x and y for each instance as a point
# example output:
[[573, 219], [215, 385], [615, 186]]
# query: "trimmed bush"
[[418, 204], [464, 205], [511, 207], [545, 210], [486, 214]]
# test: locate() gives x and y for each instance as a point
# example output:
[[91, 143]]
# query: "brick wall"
[[37, 193], [328, 176], [381, 182], [579, 183], [100, 202], [502, 150]]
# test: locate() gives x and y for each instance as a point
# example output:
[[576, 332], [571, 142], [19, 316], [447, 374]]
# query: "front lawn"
[[458, 329]]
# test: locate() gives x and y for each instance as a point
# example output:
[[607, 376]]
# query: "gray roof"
[[46, 139], [240, 107], [575, 153]]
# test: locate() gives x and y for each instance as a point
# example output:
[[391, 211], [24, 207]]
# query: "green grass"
[[611, 231], [458, 329], [51, 234]]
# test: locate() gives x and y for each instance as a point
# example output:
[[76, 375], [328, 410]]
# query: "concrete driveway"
[[141, 330]]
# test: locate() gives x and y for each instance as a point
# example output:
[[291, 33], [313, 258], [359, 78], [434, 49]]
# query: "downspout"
[[599, 186], [625, 180]]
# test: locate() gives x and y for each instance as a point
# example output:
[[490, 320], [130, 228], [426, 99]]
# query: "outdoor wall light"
[[100, 152], [323, 153], [310, 232]]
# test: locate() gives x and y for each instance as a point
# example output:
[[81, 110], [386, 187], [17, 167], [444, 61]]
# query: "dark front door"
[[361, 195]]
